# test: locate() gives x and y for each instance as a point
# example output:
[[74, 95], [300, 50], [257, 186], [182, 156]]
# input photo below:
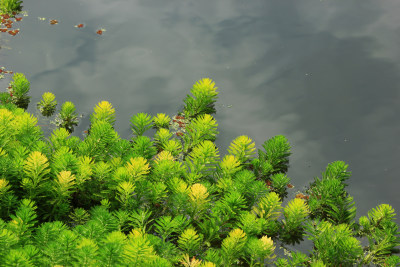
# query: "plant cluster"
[[10, 6], [168, 199]]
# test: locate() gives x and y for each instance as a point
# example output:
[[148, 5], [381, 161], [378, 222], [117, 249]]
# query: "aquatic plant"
[[203, 97], [18, 90], [47, 106], [161, 120], [169, 198], [67, 118], [10, 6]]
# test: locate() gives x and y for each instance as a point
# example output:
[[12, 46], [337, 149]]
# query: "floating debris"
[[18, 19], [302, 196], [100, 31], [13, 32], [79, 26], [53, 22], [3, 70], [40, 18]]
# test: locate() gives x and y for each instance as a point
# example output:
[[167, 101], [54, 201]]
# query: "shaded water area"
[[323, 73]]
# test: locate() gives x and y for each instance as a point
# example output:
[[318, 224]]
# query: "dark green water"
[[323, 73]]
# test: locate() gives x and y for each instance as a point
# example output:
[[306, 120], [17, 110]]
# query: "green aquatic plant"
[[243, 148], [103, 111], [382, 233], [295, 214], [67, 118], [140, 123], [47, 106], [161, 121], [328, 198], [162, 137], [279, 182], [10, 6], [168, 198], [274, 160], [202, 101], [330, 241], [18, 90]]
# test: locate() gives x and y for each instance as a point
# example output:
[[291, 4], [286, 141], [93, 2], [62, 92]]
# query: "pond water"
[[323, 73]]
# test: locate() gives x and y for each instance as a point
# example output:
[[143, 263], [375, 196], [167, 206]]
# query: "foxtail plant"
[[161, 121], [67, 118], [140, 123], [19, 89], [203, 97], [104, 111], [47, 106]]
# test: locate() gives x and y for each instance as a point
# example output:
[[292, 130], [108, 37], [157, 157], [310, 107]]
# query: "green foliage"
[[330, 241], [275, 159], [20, 86], [250, 224], [277, 152], [203, 99], [63, 159], [382, 233], [138, 250], [125, 194], [9, 6], [189, 241], [140, 123], [231, 206], [23, 221], [143, 147], [137, 168], [169, 199], [6, 132], [295, 214], [79, 216], [198, 199], [161, 121], [269, 207], [229, 165], [47, 106], [173, 146], [337, 170], [105, 112], [279, 183], [296, 259], [232, 247], [242, 148], [36, 170], [102, 141], [202, 128], [28, 133], [168, 228], [67, 118], [328, 199], [140, 219], [202, 161], [260, 251], [162, 137]]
